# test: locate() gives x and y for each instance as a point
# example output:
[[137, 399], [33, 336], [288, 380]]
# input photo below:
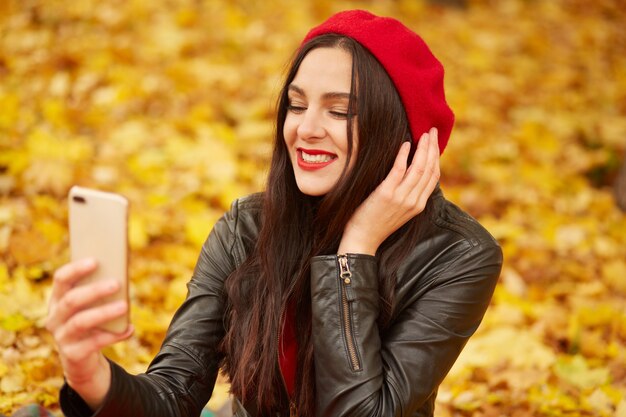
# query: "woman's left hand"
[[401, 196]]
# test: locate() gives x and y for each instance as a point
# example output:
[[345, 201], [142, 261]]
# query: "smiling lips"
[[311, 159]]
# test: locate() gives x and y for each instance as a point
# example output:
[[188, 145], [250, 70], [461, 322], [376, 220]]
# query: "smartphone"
[[98, 223]]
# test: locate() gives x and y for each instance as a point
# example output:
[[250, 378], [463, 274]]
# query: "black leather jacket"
[[443, 290]]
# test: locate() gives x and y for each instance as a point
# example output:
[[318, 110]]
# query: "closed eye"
[[295, 109], [340, 114]]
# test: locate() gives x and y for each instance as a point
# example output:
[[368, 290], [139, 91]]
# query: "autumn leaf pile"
[[171, 104]]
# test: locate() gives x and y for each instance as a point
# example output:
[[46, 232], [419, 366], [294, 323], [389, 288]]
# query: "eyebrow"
[[326, 96]]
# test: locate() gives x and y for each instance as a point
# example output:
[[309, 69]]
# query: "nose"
[[311, 126]]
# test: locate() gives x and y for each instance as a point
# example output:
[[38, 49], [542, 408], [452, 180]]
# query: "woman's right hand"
[[73, 321], [402, 195]]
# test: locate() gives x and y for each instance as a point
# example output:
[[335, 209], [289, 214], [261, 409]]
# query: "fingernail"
[[119, 306], [88, 263]]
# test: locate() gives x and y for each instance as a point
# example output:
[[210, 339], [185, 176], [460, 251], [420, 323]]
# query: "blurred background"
[[171, 103]]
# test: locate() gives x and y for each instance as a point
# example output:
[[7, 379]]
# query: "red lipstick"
[[311, 166]]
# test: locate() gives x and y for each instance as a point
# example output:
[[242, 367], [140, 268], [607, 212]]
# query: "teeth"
[[315, 159]]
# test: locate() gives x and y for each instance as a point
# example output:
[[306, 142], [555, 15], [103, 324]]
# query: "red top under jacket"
[[288, 350]]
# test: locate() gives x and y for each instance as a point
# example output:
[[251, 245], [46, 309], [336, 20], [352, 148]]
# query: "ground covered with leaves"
[[171, 103]]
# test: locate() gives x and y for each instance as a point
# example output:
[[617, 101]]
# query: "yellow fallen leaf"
[[577, 372], [14, 322], [197, 227], [13, 382], [4, 276], [599, 401], [614, 274], [519, 348], [137, 234], [28, 247]]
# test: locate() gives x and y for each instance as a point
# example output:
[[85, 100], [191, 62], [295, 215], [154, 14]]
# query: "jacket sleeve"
[[180, 379], [362, 373]]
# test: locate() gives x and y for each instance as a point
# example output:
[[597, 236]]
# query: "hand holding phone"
[[98, 223]]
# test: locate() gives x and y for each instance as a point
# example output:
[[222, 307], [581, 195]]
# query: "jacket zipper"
[[347, 296]]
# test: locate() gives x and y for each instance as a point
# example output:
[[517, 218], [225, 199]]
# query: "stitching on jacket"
[[163, 389], [249, 202], [473, 235], [232, 248], [439, 221], [189, 389], [187, 351], [453, 262]]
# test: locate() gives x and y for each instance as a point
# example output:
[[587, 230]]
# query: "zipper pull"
[[346, 276]]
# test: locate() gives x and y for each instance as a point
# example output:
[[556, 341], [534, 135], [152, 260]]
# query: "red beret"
[[414, 70]]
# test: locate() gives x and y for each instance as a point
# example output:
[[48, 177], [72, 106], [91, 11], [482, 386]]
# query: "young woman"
[[347, 288]]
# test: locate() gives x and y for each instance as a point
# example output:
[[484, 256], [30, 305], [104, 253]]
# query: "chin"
[[313, 191]]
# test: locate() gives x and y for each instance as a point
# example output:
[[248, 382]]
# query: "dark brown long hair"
[[295, 227]]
